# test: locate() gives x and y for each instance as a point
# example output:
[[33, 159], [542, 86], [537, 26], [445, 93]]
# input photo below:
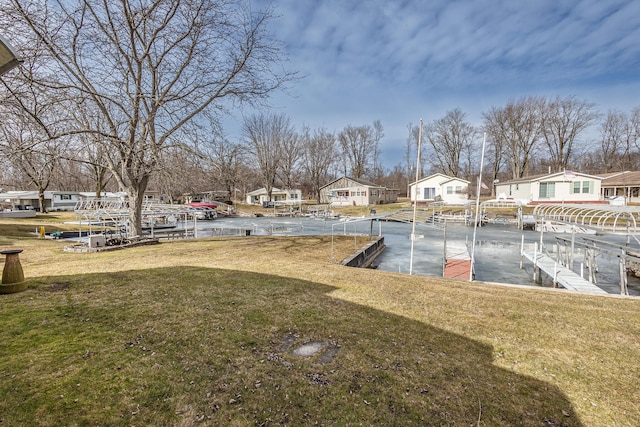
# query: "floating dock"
[[458, 261], [561, 275]]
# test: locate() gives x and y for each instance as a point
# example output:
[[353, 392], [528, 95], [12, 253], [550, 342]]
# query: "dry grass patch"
[[193, 331]]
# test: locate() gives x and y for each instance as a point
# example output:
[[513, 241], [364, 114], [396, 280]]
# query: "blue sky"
[[400, 61]]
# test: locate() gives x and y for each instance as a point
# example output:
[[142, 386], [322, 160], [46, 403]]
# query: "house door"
[[429, 193]]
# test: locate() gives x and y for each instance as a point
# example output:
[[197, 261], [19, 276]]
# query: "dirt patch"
[[59, 286]]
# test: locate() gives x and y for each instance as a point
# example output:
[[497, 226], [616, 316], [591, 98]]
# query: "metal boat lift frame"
[[614, 219]]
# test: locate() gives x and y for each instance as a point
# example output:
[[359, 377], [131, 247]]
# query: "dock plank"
[[458, 261], [564, 276]]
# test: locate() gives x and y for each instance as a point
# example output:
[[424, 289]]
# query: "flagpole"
[[475, 223], [415, 201]]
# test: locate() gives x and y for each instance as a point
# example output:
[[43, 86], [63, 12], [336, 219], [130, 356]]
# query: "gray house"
[[348, 191]]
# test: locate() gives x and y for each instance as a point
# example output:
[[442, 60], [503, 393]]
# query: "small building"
[[53, 200], [439, 187], [348, 191], [278, 196], [625, 185], [559, 187]]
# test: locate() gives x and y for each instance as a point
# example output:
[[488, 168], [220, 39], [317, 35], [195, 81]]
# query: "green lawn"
[[204, 332]]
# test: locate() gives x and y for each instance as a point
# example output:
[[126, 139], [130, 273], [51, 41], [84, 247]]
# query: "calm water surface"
[[497, 257]]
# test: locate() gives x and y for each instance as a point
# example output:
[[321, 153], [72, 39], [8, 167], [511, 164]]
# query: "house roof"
[[446, 178], [455, 179], [362, 182], [621, 179], [274, 190], [32, 194], [565, 174]]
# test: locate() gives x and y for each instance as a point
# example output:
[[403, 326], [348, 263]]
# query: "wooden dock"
[[458, 261], [564, 276]]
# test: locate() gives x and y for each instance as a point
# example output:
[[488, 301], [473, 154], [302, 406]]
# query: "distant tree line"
[[529, 136], [525, 137]]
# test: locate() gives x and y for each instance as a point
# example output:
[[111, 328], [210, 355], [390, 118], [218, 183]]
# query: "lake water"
[[497, 257]]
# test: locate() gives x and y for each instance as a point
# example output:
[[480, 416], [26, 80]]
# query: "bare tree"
[[516, 129], [34, 156], [612, 146], [378, 134], [180, 173], [264, 134], [227, 160], [412, 140], [450, 138], [634, 126], [563, 120], [357, 144], [494, 157], [30, 122], [161, 64], [319, 157], [292, 148]]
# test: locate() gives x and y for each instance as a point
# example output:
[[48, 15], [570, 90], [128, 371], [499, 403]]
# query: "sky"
[[399, 61]]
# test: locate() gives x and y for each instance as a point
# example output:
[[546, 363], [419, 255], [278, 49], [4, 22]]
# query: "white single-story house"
[[27, 200], [85, 195], [624, 185], [285, 197], [559, 187], [348, 191], [439, 187], [60, 200]]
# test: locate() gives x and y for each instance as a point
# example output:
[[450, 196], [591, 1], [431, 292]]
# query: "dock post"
[[582, 270], [573, 242], [521, 251], [624, 290], [535, 256], [555, 274]]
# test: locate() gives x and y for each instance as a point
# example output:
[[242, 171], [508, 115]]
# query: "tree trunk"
[[136, 198], [100, 183], [41, 201]]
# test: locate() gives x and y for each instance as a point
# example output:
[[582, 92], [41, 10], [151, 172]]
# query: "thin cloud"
[[386, 60]]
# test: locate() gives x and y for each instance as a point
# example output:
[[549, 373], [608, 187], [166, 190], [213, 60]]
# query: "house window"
[[576, 187], [429, 193], [547, 189], [65, 196], [458, 189], [585, 187], [450, 189]]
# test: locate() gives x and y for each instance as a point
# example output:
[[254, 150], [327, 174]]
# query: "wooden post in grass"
[[12, 274]]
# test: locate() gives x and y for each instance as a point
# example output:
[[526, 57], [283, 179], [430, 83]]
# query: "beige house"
[[348, 191], [560, 187], [624, 184], [439, 187]]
